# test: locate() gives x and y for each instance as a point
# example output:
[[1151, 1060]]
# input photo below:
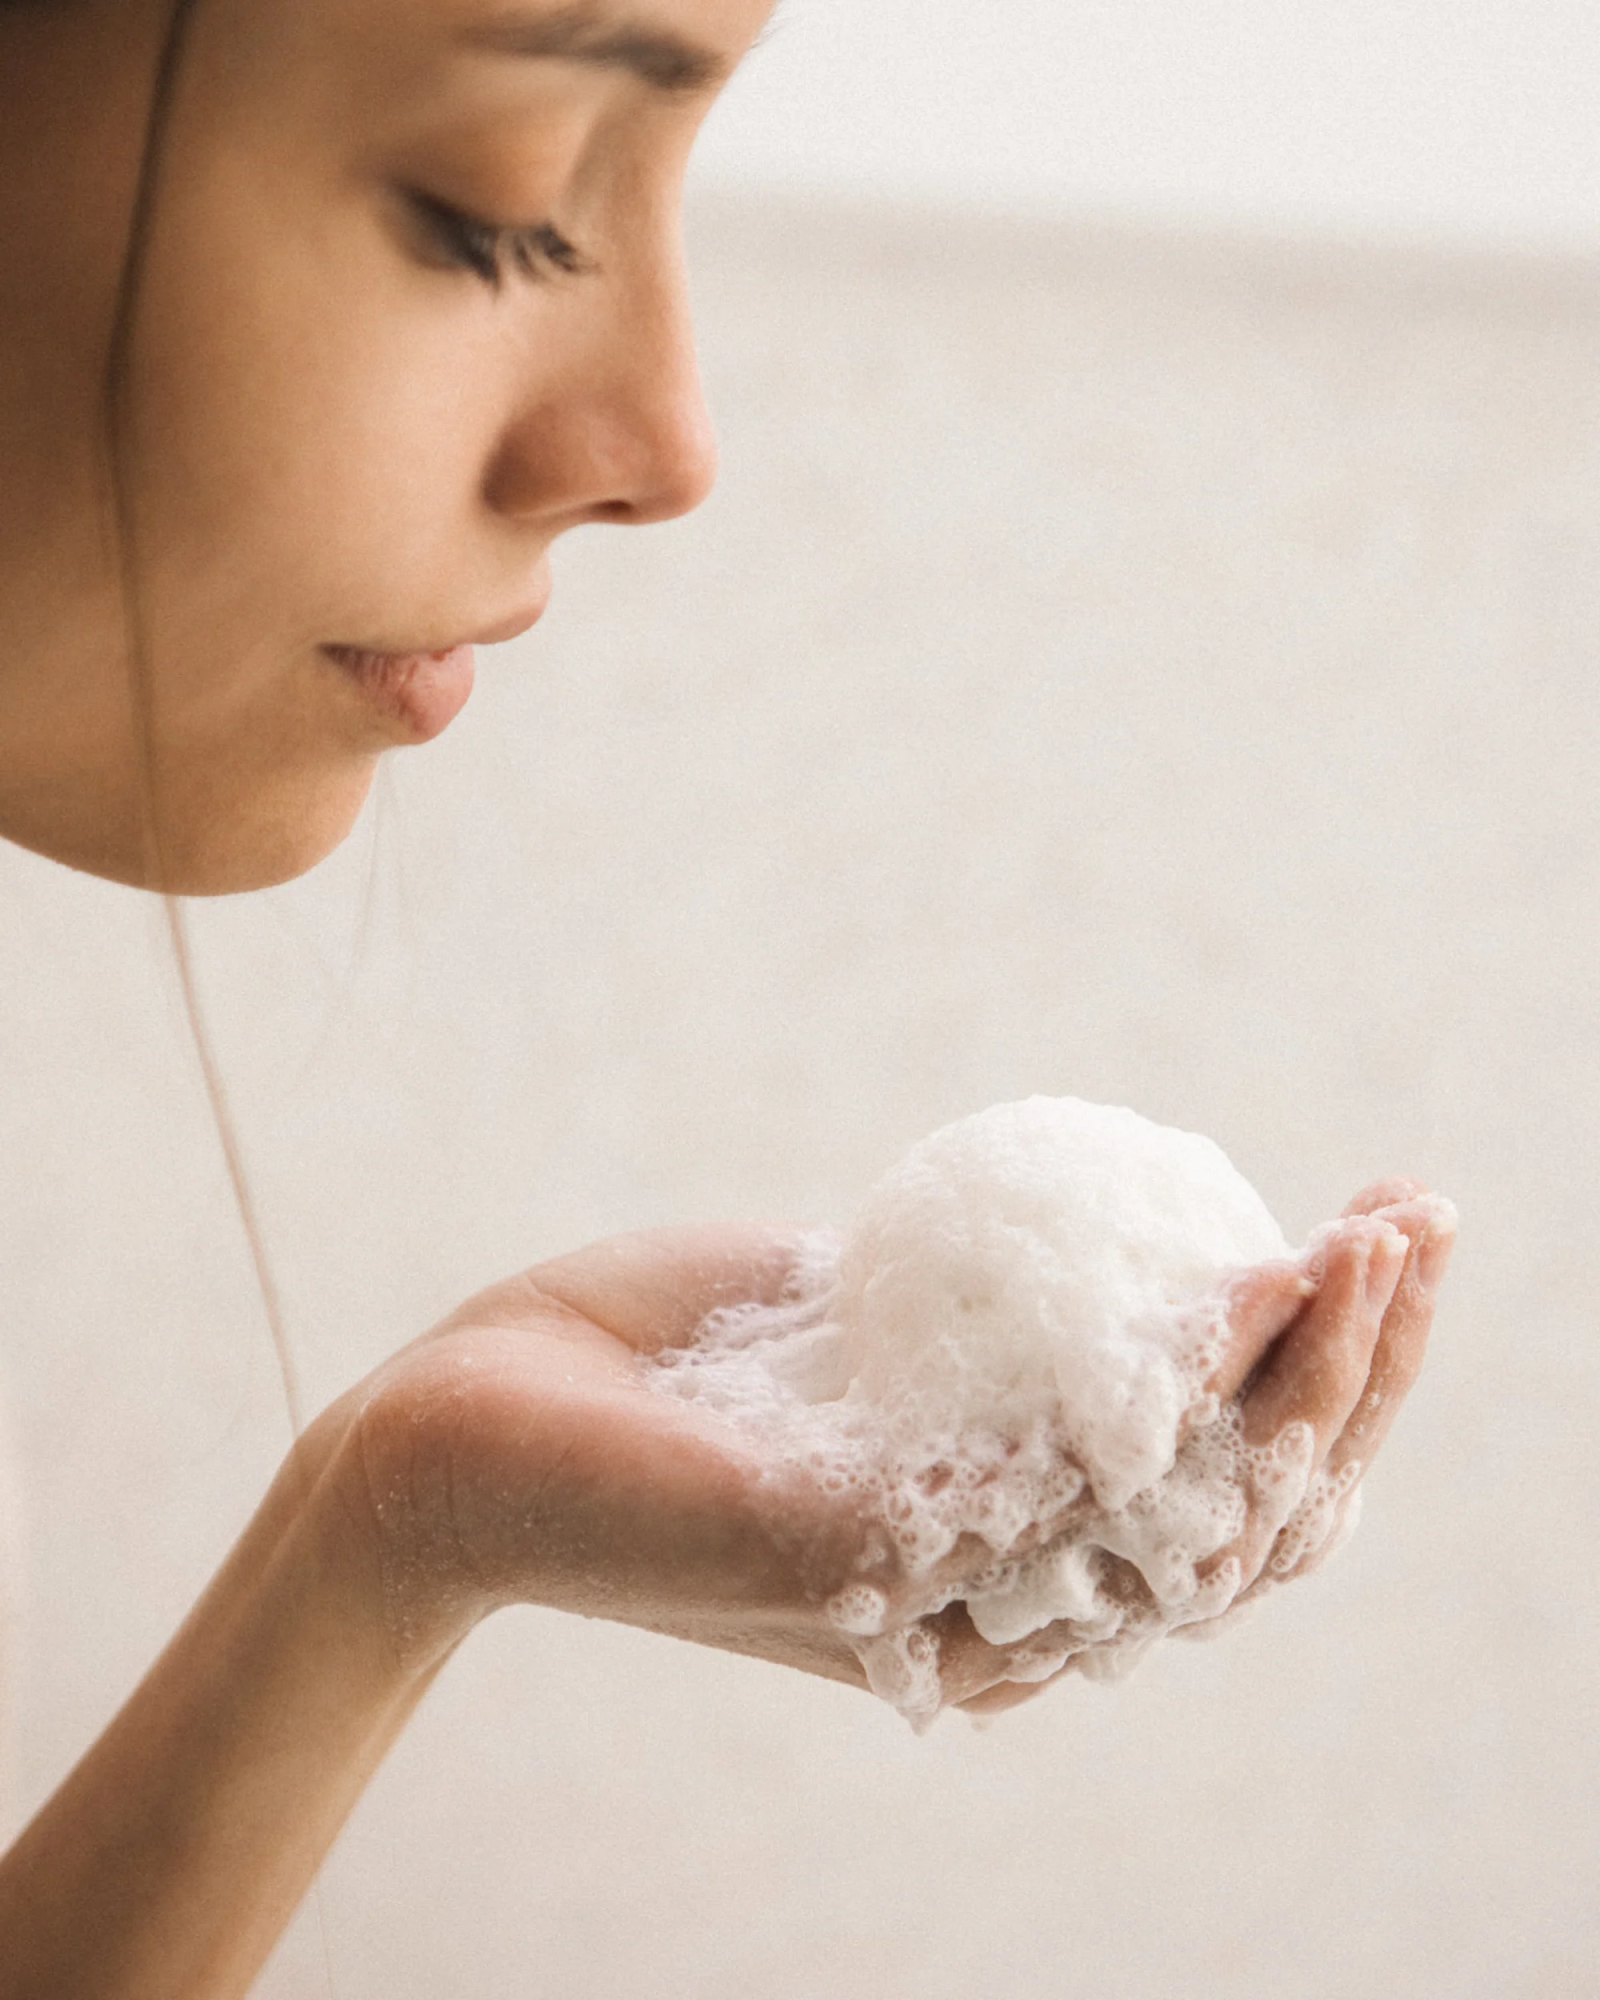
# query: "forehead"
[[686, 47], [316, 75]]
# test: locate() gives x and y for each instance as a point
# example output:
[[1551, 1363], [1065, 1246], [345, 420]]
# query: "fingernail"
[[1385, 1261], [1433, 1258]]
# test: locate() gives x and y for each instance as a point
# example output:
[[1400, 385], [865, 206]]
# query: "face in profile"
[[408, 306]]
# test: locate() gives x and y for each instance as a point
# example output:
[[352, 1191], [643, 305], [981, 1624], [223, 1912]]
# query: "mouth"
[[424, 692]]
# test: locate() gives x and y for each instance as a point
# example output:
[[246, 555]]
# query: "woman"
[[320, 321]]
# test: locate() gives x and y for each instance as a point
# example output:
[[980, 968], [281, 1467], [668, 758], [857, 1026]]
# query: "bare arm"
[[512, 1455], [168, 1862], [174, 1854]]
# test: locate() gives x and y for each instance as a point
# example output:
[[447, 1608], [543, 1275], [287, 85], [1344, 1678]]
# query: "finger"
[[1263, 1303], [1276, 1484], [1316, 1530], [1005, 1695], [1428, 1222], [1318, 1372], [1382, 1193], [953, 1573], [982, 1678], [968, 1665]]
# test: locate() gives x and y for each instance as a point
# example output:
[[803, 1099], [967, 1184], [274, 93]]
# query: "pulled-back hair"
[[122, 488]]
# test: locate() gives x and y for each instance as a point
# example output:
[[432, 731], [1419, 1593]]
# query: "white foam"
[[1012, 1343]]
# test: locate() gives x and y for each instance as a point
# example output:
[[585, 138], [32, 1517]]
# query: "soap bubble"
[[1013, 1343]]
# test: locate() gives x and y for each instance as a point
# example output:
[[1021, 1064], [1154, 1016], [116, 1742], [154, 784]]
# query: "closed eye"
[[493, 250]]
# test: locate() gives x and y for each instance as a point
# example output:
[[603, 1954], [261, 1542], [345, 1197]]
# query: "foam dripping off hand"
[[1011, 1361]]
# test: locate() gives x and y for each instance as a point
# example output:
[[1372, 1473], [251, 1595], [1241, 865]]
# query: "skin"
[[335, 436], [334, 432]]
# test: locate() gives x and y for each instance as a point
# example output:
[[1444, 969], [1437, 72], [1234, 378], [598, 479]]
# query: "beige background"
[[1470, 120], [1155, 668]]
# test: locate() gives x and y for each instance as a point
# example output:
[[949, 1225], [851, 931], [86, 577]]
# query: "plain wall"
[[1125, 666], [1451, 120]]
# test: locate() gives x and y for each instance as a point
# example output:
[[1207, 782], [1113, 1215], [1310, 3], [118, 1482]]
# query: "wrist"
[[380, 1475]]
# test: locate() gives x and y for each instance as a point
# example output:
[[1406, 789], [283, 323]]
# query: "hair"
[[122, 468], [121, 456], [122, 483], [121, 486]]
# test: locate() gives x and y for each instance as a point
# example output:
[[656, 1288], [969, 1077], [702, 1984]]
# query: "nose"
[[612, 423]]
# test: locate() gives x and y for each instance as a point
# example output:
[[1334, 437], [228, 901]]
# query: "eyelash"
[[491, 250]]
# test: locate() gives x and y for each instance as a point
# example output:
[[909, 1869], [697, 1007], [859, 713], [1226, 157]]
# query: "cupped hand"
[[517, 1454], [1320, 1355]]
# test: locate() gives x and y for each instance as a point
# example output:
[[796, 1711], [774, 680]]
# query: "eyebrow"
[[592, 34]]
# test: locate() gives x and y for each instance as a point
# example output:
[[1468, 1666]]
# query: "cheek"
[[313, 418]]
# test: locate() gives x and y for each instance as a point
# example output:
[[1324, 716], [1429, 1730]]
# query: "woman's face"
[[412, 307]]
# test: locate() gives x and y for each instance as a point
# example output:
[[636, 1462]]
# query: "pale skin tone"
[[357, 417]]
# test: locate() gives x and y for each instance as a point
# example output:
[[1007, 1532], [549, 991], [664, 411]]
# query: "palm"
[[525, 1450]]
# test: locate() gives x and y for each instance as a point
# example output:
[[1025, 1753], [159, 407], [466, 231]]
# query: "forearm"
[[169, 1861]]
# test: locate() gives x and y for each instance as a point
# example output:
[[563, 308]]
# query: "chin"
[[226, 844], [229, 832]]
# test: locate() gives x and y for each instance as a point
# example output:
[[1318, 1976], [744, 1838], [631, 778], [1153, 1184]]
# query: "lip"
[[423, 691]]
